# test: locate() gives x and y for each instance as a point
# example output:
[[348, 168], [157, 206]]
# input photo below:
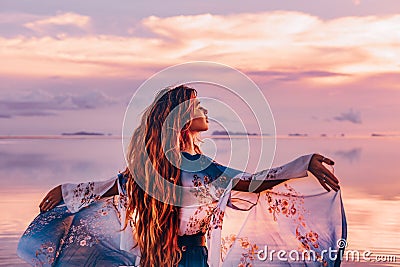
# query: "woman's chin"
[[204, 129]]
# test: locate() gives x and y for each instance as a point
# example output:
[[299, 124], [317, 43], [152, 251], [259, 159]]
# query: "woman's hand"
[[324, 176], [53, 197]]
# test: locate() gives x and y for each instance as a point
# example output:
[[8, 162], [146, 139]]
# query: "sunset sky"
[[324, 66]]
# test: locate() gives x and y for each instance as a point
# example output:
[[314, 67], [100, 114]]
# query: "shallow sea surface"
[[368, 169]]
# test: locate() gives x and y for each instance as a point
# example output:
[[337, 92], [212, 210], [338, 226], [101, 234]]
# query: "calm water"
[[369, 170]]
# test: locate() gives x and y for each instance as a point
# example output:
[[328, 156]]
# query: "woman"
[[167, 200]]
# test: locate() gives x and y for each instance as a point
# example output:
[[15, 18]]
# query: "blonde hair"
[[153, 170]]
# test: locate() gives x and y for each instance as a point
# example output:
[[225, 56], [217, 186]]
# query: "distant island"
[[297, 134], [83, 133], [231, 133], [377, 134]]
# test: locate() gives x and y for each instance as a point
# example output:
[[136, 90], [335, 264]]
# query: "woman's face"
[[200, 119]]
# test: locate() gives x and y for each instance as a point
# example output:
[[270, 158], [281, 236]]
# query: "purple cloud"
[[39, 103], [351, 116]]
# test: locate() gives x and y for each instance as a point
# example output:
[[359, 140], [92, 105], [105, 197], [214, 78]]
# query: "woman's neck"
[[189, 146]]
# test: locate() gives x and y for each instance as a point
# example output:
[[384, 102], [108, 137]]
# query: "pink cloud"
[[282, 41], [60, 19]]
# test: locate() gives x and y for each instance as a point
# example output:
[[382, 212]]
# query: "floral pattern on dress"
[[249, 250], [219, 185], [84, 194], [45, 254], [88, 231], [200, 220], [309, 242], [206, 189], [217, 220], [268, 174], [120, 203], [200, 190], [290, 205], [41, 224]]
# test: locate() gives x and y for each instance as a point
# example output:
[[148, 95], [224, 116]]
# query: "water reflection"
[[38, 164]]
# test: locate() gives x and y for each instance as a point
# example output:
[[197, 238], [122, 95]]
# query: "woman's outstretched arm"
[[55, 196], [270, 178], [242, 185]]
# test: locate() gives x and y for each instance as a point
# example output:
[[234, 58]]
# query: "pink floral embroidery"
[[45, 251], [226, 244], [84, 194], [268, 174], [79, 233], [249, 250], [292, 207], [207, 194], [207, 190], [284, 203], [218, 218], [216, 221], [200, 220]]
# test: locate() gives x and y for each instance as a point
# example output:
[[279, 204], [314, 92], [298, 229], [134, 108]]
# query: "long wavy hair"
[[154, 158]]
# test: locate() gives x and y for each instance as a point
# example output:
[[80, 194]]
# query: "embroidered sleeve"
[[294, 169], [78, 196]]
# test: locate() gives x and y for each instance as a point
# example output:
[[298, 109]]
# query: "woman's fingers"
[[328, 175], [326, 160], [43, 205], [46, 204], [322, 182], [325, 177], [328, 178], [332, 178], [51, 199]]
